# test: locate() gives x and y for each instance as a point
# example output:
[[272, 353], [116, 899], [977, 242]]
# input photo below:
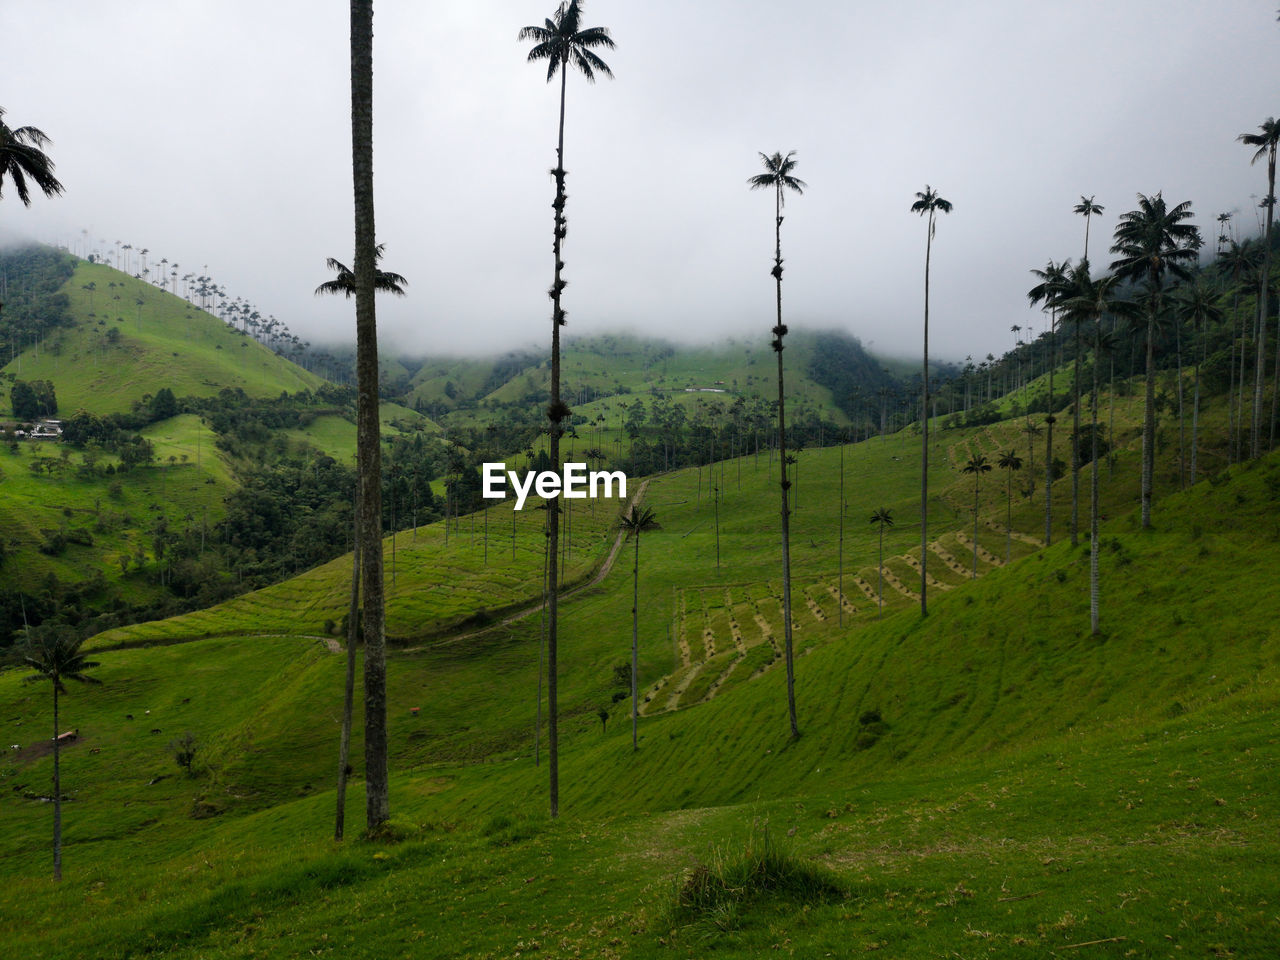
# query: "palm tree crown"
[[563, 41], [345, 281], [58, 657], [1265, 140], [21, 158], [928, 202], [778, 175], [1154, 239]]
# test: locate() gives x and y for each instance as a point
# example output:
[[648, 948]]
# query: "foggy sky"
[[218, 134]]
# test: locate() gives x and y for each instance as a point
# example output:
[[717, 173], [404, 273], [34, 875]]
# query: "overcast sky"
[[218, 133]]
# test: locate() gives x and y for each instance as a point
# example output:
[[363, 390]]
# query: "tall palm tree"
[[1012, 462], [1197, 304], [345, 281], [368, 442], [1087, 208], [56, 656], [778, 177], [1089, 301], [562, 42], [22, 158], [1238, 260], [636, 521], [1152, 242], [928, 204], [882, 518], [977, 465], [1266, 140], [1050, 291]]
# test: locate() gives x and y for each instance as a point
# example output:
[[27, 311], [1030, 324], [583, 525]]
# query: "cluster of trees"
[[31, 399]]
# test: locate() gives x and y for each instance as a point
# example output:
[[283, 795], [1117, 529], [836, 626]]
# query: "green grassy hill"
[[161, 341], [607, 373], [989, 781]]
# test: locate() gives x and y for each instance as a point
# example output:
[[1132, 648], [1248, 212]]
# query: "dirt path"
[[536, 608]]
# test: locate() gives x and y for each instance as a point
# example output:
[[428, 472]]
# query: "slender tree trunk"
[[1048, 442], [1008, 522], [1195, 410], [840, 549], [556, 412], [1232, 412], [1149, 415], [377, 801], [785, 484], [57, 788], [349, 684], [880, 587], [924, 435], [635, 646], [975, 526], [1075, 441], [1264, 305], [1094, 585], [1182, 431]]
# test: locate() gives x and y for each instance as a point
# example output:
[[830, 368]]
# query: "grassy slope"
[[163, 342], [1105, 781], [116, 511]]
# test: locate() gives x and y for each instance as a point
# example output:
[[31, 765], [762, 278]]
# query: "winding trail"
[[536, 608]]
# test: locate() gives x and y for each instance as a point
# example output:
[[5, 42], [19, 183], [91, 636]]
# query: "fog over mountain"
[[218, 136]]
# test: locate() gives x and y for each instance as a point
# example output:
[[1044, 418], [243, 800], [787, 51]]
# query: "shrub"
[[184, 752], [740, 874]]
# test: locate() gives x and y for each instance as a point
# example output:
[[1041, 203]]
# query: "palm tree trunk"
[[924, 434], [1094, 586], [348, 690], [785, 484], [57, 789], [369, 448], [1075, 441], [840, 548], [1231, 387], [1195, 410], [1182, 432], [635, 645], [975, 526], [1048, 442], [880, 589], [1149, 417], [556, 414], [1264, 298], [1008, 520]]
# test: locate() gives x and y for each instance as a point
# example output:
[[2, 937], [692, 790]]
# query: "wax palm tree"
[[22, 159], [1152, 242], [1238, 260], [1197, 305], [977, 465], [1266, 140], [928, 204], [56, 656], [1050, 291], [634, 522], [1087, 208], [1012, 462], [345, 281], [882, 518], [562, 42], [778, 178], [368, 443]]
